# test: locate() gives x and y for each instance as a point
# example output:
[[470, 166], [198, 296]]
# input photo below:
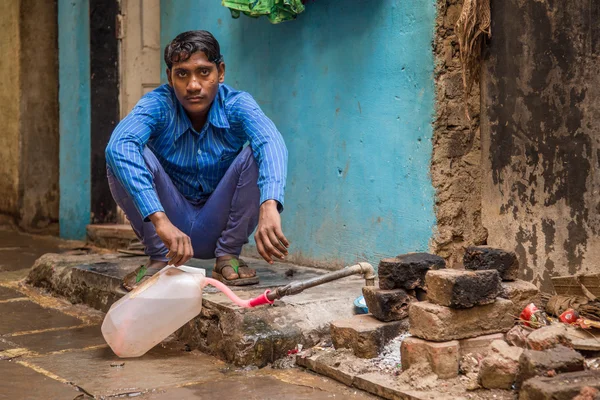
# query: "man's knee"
[[247, 161]]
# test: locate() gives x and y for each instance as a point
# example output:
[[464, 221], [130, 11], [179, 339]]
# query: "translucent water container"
[[154, 310]]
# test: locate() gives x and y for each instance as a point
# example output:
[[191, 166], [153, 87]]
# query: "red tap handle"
[[260, 300]]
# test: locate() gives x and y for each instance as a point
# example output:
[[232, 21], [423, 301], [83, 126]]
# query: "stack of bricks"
[[401, 282], [466, 310]]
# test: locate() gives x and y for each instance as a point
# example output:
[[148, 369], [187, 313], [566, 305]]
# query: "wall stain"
[[541, 153]]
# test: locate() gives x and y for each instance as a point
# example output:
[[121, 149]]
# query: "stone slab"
[[9, 293], [407, 271], [21, 316], [549, 336], [257, 387], [438, 323], [324, 369], [561, 387], [364, 334], [386, 305], [20, 382], [486, 258], [159, 368], [461, 288], [46, 342], [559, 359], [442, 357]]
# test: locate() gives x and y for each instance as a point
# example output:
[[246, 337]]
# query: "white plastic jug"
[[154, 310]]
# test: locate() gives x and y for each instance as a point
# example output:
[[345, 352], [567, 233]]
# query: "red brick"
[[443, 357]]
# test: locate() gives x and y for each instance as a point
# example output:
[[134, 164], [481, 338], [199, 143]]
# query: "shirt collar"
[[217, 116]]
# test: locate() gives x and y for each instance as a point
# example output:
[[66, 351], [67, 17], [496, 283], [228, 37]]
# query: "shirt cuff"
[[272, 192], [147, 203]]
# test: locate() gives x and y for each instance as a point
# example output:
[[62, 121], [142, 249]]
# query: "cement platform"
[[239, 336]]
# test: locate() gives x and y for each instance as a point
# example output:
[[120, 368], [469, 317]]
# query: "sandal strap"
[[234, 263]]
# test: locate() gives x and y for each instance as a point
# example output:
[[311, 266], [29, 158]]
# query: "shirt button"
[[199, 152]]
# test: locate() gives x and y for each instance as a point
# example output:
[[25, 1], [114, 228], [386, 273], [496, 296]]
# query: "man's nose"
[[194, 85]]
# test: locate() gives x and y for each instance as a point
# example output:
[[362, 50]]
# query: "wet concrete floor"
[[50, 349]]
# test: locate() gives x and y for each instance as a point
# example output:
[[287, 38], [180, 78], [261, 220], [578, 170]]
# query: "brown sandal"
[[235, 264]]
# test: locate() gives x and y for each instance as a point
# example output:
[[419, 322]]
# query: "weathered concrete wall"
[[29, 113], [540, 136], [38, 184], [9, 107], [456, 161], [350, 86]]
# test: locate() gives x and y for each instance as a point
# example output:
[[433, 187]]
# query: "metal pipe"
[[364, 269]]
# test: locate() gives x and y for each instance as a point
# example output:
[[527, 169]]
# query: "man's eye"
[[181, 74], [205, 72]]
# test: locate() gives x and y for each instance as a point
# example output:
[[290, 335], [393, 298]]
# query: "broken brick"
[[442, 357], [365, 335], [549, 336], [462, 289], [559, 359], [479, 346], [479, 258], [439, 323], [563, 386], [387, 305], [407, 271], [499, 369], [521, 293]]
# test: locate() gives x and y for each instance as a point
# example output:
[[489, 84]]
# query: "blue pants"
[[218, 226]]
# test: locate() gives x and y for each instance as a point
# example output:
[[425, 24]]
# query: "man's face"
[[196, 82]]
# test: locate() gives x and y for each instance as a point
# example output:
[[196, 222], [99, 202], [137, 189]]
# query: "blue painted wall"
[[350, 86], [74, 114]]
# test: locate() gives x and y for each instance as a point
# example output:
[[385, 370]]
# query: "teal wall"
[[350, 86], [74, 115]]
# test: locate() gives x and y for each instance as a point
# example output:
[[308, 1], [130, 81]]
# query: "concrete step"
[[241, 336], [111, 236]]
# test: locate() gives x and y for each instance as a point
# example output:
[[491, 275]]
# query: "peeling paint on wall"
[[541, 141]]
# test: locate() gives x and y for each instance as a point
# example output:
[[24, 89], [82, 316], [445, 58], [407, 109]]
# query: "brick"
[[559, 359], [517, 336], [479, 258], [500, 368], [407, 271], [549, 336], [365, 335], [462, 289], [438, 323], [560, 387], [387, 305], [442, 357], [479, 346], [521, 293]]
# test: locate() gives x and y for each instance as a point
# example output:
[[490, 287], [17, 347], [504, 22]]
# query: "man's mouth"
[[195, 99]]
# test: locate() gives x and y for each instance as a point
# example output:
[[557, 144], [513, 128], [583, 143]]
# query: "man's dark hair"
[[187, 43]]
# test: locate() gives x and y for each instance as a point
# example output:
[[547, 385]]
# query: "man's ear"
[[221, 72], [169, 77]]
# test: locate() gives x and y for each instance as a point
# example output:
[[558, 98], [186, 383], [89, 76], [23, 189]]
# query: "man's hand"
[[178, 243], [270, 241]]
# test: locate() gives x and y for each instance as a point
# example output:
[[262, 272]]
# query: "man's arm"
[[124, 158], [271, 155]]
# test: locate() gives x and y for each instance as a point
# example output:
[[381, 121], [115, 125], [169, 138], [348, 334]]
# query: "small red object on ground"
[[528, 312], [569, 317]]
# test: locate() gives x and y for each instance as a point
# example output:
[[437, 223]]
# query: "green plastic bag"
[[276, 10]]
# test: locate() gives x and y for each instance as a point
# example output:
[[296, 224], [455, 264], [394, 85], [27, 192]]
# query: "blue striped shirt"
[[195, 161]]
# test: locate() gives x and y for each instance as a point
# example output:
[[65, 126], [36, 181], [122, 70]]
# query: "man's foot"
[[141, 274], [233, 271]]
